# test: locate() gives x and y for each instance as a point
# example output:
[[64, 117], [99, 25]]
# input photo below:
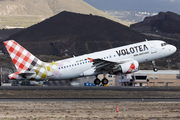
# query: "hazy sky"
[[137, 5]]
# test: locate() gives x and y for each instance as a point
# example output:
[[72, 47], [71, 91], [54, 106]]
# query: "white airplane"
[[120, 60]]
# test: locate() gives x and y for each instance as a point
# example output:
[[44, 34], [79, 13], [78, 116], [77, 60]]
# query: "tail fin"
[[22, 59]]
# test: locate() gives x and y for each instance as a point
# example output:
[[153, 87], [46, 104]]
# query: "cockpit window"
[[163, 44]]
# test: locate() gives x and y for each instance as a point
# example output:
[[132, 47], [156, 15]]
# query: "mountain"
[[165, 22], [24, 13], [77, 33], [152, 6]]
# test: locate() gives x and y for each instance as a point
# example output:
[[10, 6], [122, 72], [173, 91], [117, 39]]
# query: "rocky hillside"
[[165, 25], [168, 22], [24, 13], [78, 33]]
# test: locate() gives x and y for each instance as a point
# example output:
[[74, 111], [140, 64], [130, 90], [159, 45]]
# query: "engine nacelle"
[[128, 67]]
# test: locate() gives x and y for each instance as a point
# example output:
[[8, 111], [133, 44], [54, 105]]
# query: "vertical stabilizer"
[[22, 59]]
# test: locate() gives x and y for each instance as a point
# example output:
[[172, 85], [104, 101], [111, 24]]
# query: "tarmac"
[[114, 88], [128, 89]]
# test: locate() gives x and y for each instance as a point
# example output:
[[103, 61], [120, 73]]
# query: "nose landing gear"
[[155, 69]]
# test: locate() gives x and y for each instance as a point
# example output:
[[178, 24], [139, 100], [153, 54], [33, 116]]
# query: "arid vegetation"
[[89, 110]]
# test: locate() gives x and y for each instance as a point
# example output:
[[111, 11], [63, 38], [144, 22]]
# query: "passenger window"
[[69, 65], [61, 67], [64, 66], [78, 64], [114, 55]]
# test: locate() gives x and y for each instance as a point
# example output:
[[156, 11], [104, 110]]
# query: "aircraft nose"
[[173, 49]]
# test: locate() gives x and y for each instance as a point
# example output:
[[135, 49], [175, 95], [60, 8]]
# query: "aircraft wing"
[[100, 64]]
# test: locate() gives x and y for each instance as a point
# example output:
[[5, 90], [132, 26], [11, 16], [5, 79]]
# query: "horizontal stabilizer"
[[21, 75]]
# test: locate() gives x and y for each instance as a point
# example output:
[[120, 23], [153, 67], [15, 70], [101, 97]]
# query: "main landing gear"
[[155, 69], [97, 81], [104, 80]]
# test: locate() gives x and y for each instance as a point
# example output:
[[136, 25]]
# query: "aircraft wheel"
[[155, 69], [97, 81], [104, 81]]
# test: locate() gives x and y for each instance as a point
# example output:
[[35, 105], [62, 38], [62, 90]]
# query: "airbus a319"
[[120, 60]]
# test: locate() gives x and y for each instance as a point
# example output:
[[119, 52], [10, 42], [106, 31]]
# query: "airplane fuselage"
[[142, 52]]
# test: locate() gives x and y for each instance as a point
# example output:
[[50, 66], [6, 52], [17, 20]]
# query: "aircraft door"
[[153, 48]]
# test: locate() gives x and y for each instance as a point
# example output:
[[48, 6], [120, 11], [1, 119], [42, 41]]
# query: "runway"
[[92, 100], [114, 88], [84, 93]]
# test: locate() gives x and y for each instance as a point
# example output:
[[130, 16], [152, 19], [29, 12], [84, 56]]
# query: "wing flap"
[[100, 64]]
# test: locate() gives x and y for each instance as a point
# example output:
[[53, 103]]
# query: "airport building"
[[161, 77], [150, 78]]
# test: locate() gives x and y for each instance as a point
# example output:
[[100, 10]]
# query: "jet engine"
[[128, 67]]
